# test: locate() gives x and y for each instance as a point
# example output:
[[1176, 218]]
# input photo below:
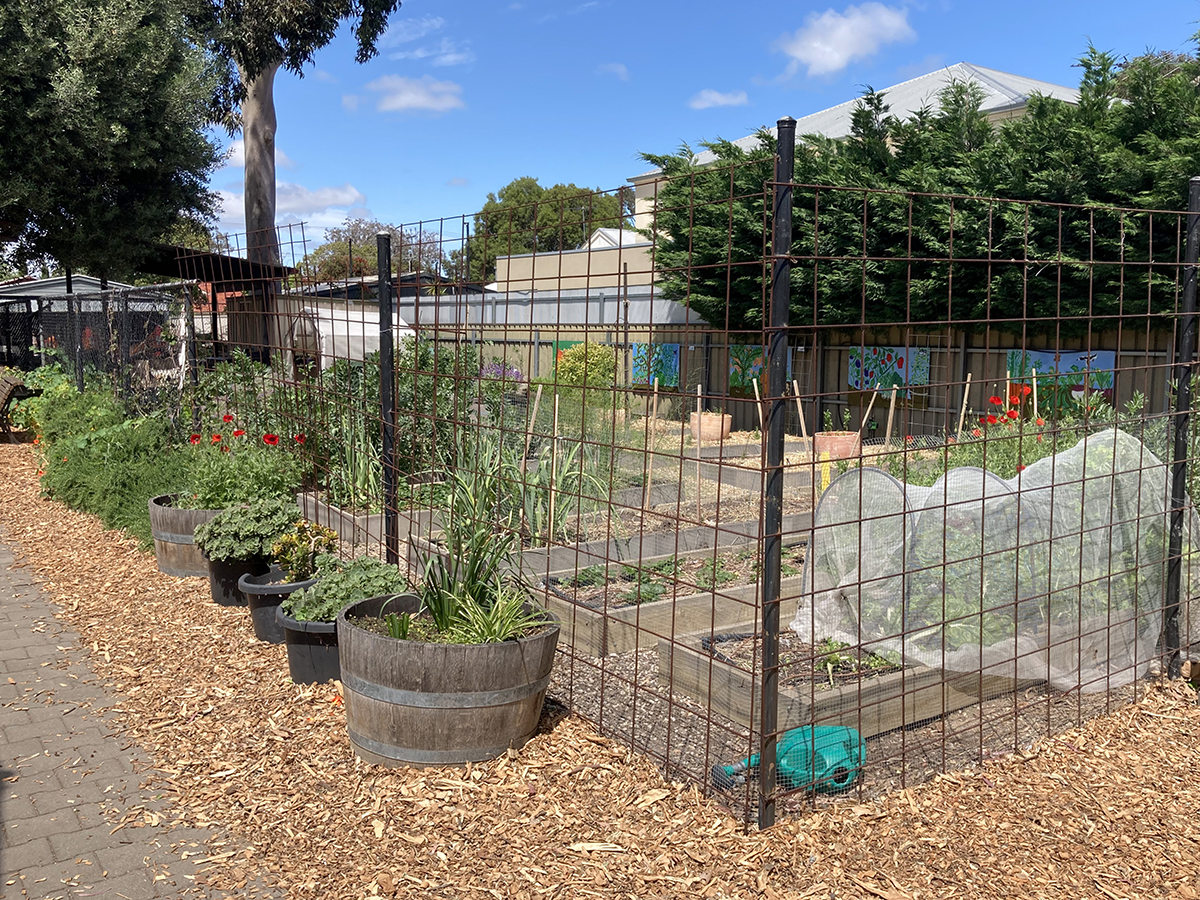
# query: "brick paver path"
[[68, 781]]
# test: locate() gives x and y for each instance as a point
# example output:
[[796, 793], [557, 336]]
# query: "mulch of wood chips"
[[1109, 810]]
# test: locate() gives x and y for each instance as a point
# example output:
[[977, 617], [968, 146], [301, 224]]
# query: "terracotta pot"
[[836, 445], [710, 427]]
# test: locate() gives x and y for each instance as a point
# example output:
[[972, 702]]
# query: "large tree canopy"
[[103, 105], [898, 234], [524, 217], [254, 39], [351, 251]]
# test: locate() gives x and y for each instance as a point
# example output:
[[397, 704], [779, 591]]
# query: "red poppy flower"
[[299, 439], [1014, 400], [216, 439], [238, 432], [976, 433], [908, 438], [996, 400], [992, 420], [1026, 390], [1039, 437], [1012, 413], [194, 439], [224, 449], [227, 418], [1020, 468], [1040, 421], [271, 439]]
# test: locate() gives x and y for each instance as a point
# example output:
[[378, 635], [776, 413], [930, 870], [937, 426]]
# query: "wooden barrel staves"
[[172, 527], [413, 703]]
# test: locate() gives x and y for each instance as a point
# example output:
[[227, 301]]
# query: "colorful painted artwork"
[[746, 364], [561, 347], [1064, 377], [659, 361], [888, 367]]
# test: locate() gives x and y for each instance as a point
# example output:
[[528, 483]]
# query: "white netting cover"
[[1055, 575]]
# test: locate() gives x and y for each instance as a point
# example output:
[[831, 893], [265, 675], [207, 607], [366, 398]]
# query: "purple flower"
[[501, 371]]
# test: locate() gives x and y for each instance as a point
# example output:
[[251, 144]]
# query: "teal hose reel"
[[823, 758]]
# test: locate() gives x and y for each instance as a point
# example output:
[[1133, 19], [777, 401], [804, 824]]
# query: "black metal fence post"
[[777, 350], [123, 343], [75, 312], [1184, 355], [387, 398], [189, 312]]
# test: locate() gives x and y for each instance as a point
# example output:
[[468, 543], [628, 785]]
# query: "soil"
[[823, 666], [621, 586], [1040, 801]]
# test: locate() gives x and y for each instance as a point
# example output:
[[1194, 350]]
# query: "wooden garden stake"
[[887, 442], [870, 405], [553, 466], [1035, 403], [1007, 388], [532, 421], [800, 411], [652, 433], [762, 426], [962, 413], [699, 443]]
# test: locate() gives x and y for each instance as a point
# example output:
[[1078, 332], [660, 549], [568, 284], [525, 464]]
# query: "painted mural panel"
[[659, 361], [888, 367]]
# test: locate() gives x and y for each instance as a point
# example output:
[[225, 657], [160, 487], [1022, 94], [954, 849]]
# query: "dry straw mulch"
[[1107, 811]]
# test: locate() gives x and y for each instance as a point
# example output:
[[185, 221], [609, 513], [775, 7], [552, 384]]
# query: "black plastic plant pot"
[[312, 649], [224, 575], [263, 594]]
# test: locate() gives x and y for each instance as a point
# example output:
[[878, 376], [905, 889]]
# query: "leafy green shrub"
[[587, 365], [297, 550], [246, 532], [362, 578]]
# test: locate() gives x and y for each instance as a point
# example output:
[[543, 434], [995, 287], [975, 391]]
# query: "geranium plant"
[[342, 584], [247, 531]]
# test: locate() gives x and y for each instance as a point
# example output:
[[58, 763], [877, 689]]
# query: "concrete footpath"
[[74, 819]]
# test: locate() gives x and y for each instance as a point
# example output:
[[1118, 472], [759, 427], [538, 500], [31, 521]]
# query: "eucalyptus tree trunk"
[[262, 242]]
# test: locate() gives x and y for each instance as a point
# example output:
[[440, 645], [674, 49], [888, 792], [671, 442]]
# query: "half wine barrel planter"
[[263, 595], [312, 649], [174, 547], [412, 703]]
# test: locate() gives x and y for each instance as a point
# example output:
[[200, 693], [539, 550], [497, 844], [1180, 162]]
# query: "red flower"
[[271, 439], [194, 439], [976, 433], [992, 420], [216, 439], [1014, 400], [227, 418], [1039, 437], [1012, 413], [1040, 421], [996, 400], [238, 432], [300, 439], [224, 449], [1020, 468], [908, 439], [1026, 390]]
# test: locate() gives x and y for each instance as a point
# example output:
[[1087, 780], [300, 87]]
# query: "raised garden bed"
[[869, 698], [365, 527]]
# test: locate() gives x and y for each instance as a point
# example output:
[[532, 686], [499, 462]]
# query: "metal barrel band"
[[432, 700]]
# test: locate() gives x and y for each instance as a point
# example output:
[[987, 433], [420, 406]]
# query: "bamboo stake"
[[553, 467], [962, 413], [800, 411], [532, 421], [870, 406], [762, 425], [1035, 402], [699, 443], [887, 442], [653, 433], [1007, 388]]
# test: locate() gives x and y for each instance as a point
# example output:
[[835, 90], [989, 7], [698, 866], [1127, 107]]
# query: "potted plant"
[[458, 671], [710, 427], [294, 567], [226, 467], [239, 540], [830, 444], [307, 617]]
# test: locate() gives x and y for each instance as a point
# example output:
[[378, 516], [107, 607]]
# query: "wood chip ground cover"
[[1107, 810]]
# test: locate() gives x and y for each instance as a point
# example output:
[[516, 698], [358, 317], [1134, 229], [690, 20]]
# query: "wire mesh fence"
[[906, 494]]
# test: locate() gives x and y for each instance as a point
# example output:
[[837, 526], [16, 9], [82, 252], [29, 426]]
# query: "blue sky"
[[466, 96]]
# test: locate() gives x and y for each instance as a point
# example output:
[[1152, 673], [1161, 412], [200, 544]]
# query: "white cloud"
[[617, 69], [446, 53], [831, 40], [350, 102], [709, 98], [237, 157], [405, 31], [458, 182], [323, 75], [324, 207], [400, 94]]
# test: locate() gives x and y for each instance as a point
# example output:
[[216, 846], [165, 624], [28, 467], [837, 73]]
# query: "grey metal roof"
[[1002, 92]]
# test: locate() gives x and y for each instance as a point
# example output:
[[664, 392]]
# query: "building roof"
[[1002, 92], [56, 287], [611, 238]]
